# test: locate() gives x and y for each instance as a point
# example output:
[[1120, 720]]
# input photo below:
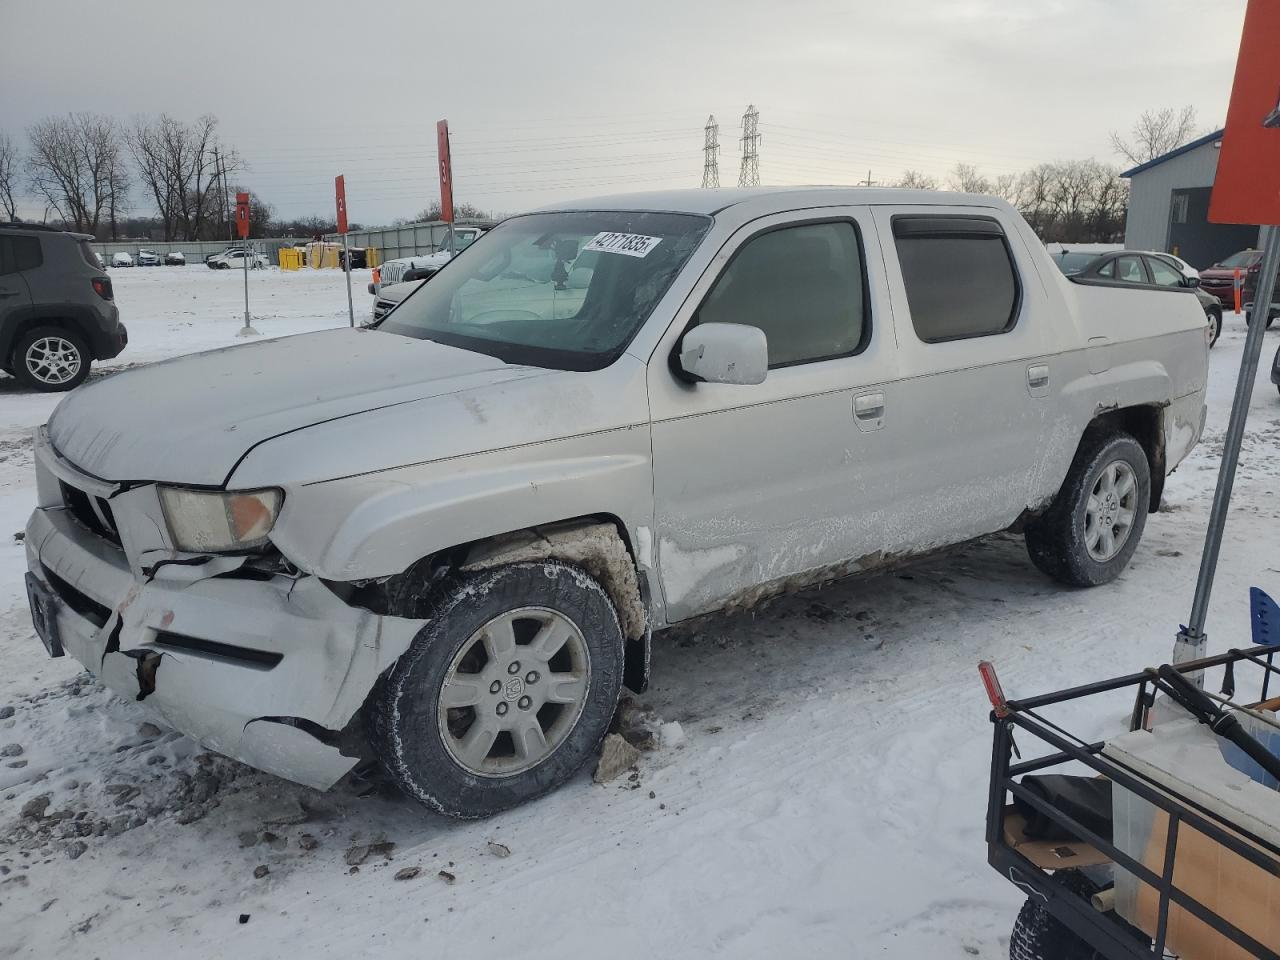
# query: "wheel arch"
[[28, 318], [1145, 423], [598, 543]]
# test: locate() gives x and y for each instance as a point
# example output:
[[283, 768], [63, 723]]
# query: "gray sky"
[[574, 98]]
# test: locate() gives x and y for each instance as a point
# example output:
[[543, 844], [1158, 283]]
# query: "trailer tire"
[[1094, 524], [1039, 935]]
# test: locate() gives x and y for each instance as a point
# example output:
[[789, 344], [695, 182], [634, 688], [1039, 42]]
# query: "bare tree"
[[966, 178], [148, 142], [1155, 133], [75, 166], [461, 211], [118, 184], [914, 180], [1034, 189], [8, 177], [1073, 201], [1007, 186], [179, 165]]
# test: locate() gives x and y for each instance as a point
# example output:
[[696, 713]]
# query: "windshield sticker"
[[628, 244]]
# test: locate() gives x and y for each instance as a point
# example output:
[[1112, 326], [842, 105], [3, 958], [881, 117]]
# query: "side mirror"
[[725, 353], [1191, 281]]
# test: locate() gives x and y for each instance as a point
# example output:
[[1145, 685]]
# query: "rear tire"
[[51, 359], [1215, 326], [485, 653], [1093, 526]]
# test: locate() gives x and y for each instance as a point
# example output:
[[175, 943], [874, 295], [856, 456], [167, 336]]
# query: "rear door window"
[[959, 276], [1129, 269]]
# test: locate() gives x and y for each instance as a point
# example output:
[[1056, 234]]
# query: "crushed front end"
[[251, 657]]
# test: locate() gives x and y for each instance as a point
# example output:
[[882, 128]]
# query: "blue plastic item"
[[1264, 617]]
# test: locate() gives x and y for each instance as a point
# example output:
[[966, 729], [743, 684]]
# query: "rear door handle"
[[868, 410], [1038, 379], [8, 293]]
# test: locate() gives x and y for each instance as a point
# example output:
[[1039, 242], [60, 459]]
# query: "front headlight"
[[210, 521]]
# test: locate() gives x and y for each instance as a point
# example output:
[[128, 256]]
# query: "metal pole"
[[1192, 640], [247, 330], [346, 259]]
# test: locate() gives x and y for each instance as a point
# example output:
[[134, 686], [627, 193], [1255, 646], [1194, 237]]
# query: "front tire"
[[51, 359], [1215, 326], [1093, 526], [505, 693]]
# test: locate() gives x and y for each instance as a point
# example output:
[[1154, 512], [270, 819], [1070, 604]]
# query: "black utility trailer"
[[1203, 879]]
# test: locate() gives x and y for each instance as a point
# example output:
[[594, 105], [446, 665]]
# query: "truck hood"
[[191, 419], [395, 292]]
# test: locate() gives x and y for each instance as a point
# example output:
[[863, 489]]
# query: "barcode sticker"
[[628, 244]]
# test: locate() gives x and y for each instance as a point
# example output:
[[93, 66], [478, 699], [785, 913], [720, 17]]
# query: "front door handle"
[[868, 410], [8, 293]]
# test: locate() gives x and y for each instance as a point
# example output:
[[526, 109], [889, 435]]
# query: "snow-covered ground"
[[827, 796]]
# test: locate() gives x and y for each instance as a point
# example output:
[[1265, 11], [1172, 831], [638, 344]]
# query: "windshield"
[[1245, 258], [1070, 263], [564, 290]]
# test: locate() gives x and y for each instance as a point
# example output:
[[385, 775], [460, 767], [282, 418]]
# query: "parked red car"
[[1218, 279]]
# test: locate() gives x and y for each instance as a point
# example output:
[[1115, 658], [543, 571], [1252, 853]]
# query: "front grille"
[[381, 308], [93, 513], [392, 272]]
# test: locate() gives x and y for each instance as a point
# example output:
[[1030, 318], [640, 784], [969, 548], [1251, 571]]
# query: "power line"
[[711, 154], [749, 173]]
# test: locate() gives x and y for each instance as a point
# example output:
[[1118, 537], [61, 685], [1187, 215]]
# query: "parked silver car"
[[445, 541]]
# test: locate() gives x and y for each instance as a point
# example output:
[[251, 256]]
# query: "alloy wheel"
[[514, 691], [1110, 511], [52, 360]]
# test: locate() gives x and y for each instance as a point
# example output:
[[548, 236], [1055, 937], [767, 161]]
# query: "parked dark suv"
[[56, 309]]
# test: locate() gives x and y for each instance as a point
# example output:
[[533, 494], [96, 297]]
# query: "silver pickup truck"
[[444, 541]]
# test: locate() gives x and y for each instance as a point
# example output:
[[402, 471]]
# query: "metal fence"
[[407, 240], [194, 250]]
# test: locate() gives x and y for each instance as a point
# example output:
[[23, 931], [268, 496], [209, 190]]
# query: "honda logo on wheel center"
[[513, 688]]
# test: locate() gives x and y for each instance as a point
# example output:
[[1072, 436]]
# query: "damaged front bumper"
[[269, 670]]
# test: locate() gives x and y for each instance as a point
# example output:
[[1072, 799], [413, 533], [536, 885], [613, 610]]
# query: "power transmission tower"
[[749, 174], [711, 154]]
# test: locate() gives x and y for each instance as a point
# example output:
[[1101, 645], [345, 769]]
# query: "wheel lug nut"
[[495, 686], [525, 703], [502, 709], [532, 677], [514, 667]]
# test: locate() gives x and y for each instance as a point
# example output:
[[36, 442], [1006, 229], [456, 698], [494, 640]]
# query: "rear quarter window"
[[27, 254], [90, 255], [959, 276]]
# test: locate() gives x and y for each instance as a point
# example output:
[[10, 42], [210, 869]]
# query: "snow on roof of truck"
[[769, 199]]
